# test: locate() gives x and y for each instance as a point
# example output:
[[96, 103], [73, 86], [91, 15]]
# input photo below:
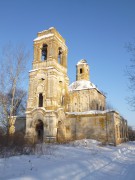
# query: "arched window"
[[40, 100], [44, 52], [59, 55]]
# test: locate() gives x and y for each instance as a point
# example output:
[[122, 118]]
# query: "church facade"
[[57, 111]]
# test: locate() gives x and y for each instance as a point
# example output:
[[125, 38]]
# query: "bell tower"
[[48, 46], [48, 78], [82, 70], [48, 81]]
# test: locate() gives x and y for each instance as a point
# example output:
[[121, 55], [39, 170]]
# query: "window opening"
[[120, 132], [117, 133], [44, 52], [40, 100], [81, 71], [59, 55]]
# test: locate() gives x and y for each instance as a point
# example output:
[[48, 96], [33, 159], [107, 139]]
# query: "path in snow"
[[82, 161]]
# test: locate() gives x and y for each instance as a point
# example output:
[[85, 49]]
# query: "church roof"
[[92, 112], [81, 84], [43, 36]]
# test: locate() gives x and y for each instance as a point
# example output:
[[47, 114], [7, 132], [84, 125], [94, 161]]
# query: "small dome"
[[80, 85], [82, 61]]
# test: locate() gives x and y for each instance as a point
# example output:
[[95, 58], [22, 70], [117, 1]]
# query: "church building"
[[59, 111]]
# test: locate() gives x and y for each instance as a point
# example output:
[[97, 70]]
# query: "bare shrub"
[[45, 149], [15, 145]]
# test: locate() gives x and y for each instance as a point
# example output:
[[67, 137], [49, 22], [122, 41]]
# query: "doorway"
[[40, 130]]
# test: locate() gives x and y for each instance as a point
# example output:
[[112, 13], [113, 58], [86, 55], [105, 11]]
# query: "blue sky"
[[96, 30]]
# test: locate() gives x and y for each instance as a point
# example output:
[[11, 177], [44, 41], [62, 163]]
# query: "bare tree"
[[12, 73], [131, 74], [131, 133]]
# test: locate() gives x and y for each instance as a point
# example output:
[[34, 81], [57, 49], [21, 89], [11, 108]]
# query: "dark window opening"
[[117, 133], [97, 106], [59, 55], [44, 52], [120, 132], [40, 100], [81, 71]]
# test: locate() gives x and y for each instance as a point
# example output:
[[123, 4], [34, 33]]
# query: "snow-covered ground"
[[84, 159]]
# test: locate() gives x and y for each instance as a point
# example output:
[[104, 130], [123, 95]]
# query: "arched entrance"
[[39, 130]]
